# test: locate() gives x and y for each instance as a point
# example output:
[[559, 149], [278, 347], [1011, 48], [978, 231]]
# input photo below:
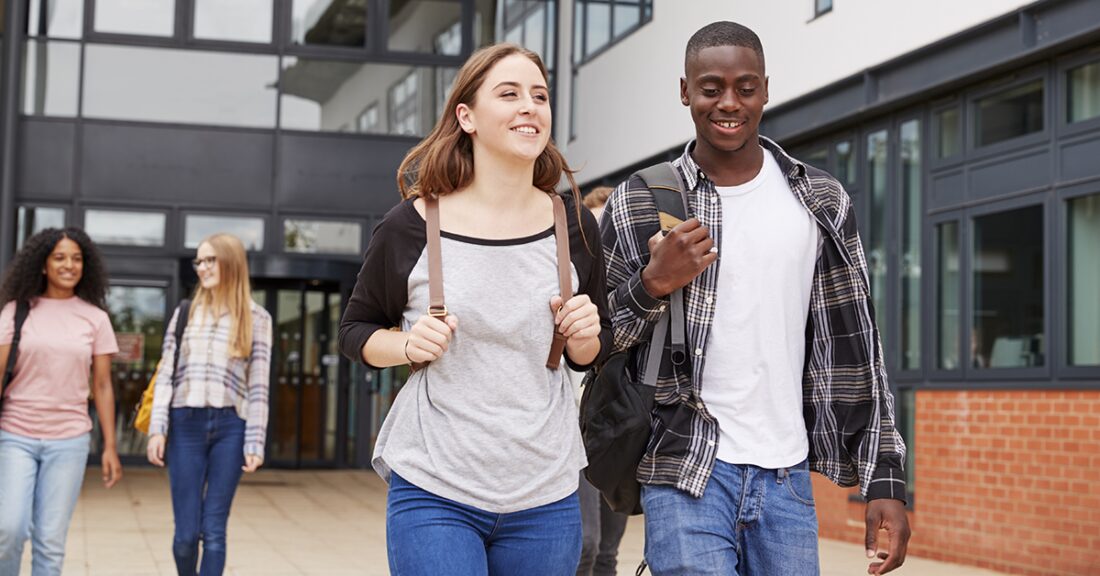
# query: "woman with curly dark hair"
[[44, 423]]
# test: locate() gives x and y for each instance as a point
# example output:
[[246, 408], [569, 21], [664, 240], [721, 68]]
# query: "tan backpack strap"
[[436, 306], [565, 276]]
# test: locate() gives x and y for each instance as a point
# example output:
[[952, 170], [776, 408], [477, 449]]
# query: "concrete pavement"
[[329, 523]]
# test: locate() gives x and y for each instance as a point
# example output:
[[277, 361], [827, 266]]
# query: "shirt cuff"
[[254, 449], [641, 302], [887, 483]]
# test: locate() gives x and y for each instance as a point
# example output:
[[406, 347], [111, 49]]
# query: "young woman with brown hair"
[[209, 418], [482, 448]]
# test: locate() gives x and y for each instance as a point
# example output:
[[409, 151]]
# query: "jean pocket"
[[800, 486]]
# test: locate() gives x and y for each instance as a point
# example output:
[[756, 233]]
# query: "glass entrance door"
[[304, 423]]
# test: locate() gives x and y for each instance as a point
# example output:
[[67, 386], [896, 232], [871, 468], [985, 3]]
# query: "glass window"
[[1007, 261], [949, 126], [329, 22], [818, 158], [948, 291], [234, 20], [1008, 114], [579, 27], [142, 17], [1084, 92], [414, 24], [325, 95], [187, 86], [321, 236], [250, 230], [138, 317], [34, 219], [597, 31], [404, 112], [910, 244], [55, 18], [845, 163], [1084, 281], [822, 6], [125, 228], [877, 151], [628, 14], [370, 121], [51, 78]]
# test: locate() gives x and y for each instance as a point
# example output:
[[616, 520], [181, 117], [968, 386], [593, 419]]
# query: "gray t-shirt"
[[488, 424]]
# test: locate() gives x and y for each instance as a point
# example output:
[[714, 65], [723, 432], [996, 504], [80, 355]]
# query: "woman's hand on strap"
[[429, 338]]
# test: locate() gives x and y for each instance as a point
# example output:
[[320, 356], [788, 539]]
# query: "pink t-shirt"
[[48, 395]]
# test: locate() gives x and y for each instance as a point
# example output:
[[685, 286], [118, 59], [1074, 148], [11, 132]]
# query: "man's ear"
[[684, 92], [766, 89]]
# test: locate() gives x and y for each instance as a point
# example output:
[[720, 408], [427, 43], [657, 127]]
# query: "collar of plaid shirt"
[[848, 406]]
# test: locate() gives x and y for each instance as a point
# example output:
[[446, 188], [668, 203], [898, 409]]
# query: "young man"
[[784, 371]]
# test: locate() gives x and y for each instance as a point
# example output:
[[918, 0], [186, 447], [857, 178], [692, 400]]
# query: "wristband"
[[407, 349]]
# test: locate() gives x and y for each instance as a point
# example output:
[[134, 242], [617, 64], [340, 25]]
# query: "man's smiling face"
[[726, 91]]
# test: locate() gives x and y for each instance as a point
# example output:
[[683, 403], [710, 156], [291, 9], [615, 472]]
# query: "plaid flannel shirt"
[[847, 404]]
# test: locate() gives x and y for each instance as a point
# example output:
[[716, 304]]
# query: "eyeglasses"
[[207, 262]]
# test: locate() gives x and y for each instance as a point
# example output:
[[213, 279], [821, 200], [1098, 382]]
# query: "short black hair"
[[25, 281], [724, 34]]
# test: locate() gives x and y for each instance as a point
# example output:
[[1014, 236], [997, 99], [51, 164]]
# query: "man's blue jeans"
[[205, 454], [750, 522], [427, 535], [40, 482]]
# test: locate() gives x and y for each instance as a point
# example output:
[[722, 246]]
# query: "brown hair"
[[233, 292], [444, 160], [597, 196]]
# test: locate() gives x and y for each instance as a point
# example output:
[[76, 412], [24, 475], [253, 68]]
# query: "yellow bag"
[[145, 407]]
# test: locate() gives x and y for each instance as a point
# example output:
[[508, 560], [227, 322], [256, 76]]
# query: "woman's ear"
[[465, 118]]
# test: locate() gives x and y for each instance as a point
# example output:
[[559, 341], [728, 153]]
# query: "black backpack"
[[616, 411], [22, 309]]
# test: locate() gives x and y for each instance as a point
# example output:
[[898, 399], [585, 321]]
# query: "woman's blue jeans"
[[427, 535], [39, 485], [205, 454]]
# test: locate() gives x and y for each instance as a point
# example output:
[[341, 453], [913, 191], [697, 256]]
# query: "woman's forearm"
[[386, 348]]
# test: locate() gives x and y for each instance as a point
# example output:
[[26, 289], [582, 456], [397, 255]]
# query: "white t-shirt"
[[752, 379]]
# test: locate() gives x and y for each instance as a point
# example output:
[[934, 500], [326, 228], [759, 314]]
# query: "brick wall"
[[1004, 480]]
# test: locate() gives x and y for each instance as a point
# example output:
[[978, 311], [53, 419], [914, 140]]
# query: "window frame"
[[1004, 84], [984, 377], [181, 235], [22, 205], [235, 45], [364, 234], [935, 161], [1062, 68], [645, 9], [169, 231], [818, 11], [932, 330], [1060, 280], [894, 237]]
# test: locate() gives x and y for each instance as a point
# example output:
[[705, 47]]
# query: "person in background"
[[482, 447], [601, 527], [209, 420], [45, 426]]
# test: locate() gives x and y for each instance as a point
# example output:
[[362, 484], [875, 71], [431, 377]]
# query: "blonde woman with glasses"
[[209, 417]]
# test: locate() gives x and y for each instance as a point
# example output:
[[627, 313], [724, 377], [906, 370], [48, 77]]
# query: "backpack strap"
[[181, 325], [670, 195], [565, 277], [22, 310]]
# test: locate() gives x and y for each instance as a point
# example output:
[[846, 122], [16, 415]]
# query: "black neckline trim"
[[484, 241]]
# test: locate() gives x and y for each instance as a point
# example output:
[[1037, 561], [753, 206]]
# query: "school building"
[[967, 133]]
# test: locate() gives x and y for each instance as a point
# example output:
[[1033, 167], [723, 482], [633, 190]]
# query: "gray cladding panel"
[[822, 110], [963, 58], [45, 160], [1080, 160], [189, 166], [339, 175], [1011, 174], [948, 189], [1055, 21]]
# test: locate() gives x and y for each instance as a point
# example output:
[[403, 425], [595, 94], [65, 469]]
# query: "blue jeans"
[[40, 482], [427, 535], [750, 521], [205, 454]]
